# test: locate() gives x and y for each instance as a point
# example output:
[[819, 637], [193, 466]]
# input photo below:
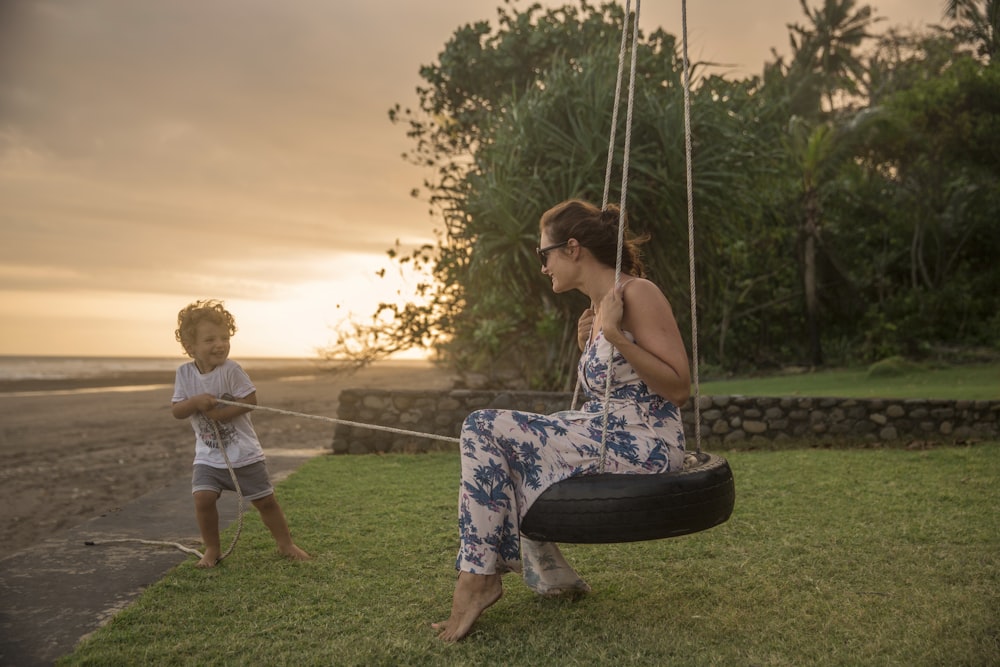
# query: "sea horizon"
[[76, 367]]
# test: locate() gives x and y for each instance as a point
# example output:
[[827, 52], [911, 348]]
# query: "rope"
[[623, 198], [332, 420], [690, 216], [178, 545], [611, 155], [621, 219], [236, 484], [614, 110], [618, 269]]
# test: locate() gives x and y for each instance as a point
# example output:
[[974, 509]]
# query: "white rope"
[[614, 110], [610, 161], [618, 269], [621, 219], [156, 543], [236, 484], [188, 550], [622, 201], [332, 420], [690, 216]]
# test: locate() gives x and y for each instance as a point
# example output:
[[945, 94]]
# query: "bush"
[[893, 367]]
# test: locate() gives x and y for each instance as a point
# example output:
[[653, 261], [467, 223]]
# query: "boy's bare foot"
[[208, 560], [295, 553], [474, 593]]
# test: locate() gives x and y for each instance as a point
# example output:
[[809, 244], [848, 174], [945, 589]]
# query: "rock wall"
[[727, 422]]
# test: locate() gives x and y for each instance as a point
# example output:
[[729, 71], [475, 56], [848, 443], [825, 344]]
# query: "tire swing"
[[613, 507]]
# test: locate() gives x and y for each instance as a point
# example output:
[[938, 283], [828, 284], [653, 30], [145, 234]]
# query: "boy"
[[204, 329]]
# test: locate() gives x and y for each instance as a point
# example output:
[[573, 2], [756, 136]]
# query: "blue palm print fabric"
[[509, 457]]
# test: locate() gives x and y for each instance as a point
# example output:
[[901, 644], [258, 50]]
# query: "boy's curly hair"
[[205, 310]]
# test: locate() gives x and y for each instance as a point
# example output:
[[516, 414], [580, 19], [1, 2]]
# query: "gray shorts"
[[254, 481]]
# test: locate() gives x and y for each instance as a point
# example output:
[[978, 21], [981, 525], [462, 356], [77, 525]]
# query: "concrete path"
[[58, 591]]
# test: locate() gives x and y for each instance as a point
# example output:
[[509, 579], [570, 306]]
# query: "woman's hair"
[[595, 230], [206, 310]]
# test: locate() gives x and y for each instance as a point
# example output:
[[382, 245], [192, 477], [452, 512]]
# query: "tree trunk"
[[811, 231]]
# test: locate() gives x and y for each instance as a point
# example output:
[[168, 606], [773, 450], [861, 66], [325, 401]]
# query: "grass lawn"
[[832, 557], [972, 382]]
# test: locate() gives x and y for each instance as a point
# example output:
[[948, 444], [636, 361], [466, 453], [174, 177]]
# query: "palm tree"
[[825, 54], [977, 22], [825, 63], [814, 150]]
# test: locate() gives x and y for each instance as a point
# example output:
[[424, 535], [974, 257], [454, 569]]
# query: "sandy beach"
[[77, 449]]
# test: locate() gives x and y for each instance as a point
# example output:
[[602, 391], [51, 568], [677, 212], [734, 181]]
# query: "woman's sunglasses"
[[543, 253]]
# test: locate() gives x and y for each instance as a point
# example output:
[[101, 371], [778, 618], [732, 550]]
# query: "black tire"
[[606, 508]]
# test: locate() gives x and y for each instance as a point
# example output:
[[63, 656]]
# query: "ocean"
[[27, 376], [76, 368]]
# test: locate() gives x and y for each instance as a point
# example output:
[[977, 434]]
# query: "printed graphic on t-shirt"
[[226, 431]]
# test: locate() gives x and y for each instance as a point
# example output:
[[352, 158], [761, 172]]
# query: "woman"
[[509, 458]]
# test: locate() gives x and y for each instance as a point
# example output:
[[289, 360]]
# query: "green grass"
[[973, 382], [832, 557]]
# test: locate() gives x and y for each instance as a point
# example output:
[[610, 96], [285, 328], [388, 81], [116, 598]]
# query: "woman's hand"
[[611, 310]]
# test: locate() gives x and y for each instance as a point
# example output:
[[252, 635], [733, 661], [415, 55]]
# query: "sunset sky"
[[153, 152]]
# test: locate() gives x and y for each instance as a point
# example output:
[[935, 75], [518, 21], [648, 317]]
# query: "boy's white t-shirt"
[[238, 435]]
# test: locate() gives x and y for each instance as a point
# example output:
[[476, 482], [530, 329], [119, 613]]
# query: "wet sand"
[[77, 449]]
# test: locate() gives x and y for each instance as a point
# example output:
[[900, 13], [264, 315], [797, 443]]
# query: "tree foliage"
[[845, 201], [976, 23], [938, 144]]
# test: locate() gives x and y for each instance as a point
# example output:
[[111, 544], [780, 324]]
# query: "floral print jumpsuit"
[[509, 458]]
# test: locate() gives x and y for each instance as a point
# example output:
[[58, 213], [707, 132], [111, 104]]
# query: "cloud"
[[238, 148], [155, 146]]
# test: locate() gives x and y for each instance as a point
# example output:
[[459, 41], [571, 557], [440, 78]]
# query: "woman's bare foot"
[[473, 594], [295, 553]]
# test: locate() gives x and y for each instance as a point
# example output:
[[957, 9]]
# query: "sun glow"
[[302, 320], [294, 320]]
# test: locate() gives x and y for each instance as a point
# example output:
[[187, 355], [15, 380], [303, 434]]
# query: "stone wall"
[[727, 422]]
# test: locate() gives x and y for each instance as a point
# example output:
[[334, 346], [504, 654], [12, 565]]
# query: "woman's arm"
[[658, 353]]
